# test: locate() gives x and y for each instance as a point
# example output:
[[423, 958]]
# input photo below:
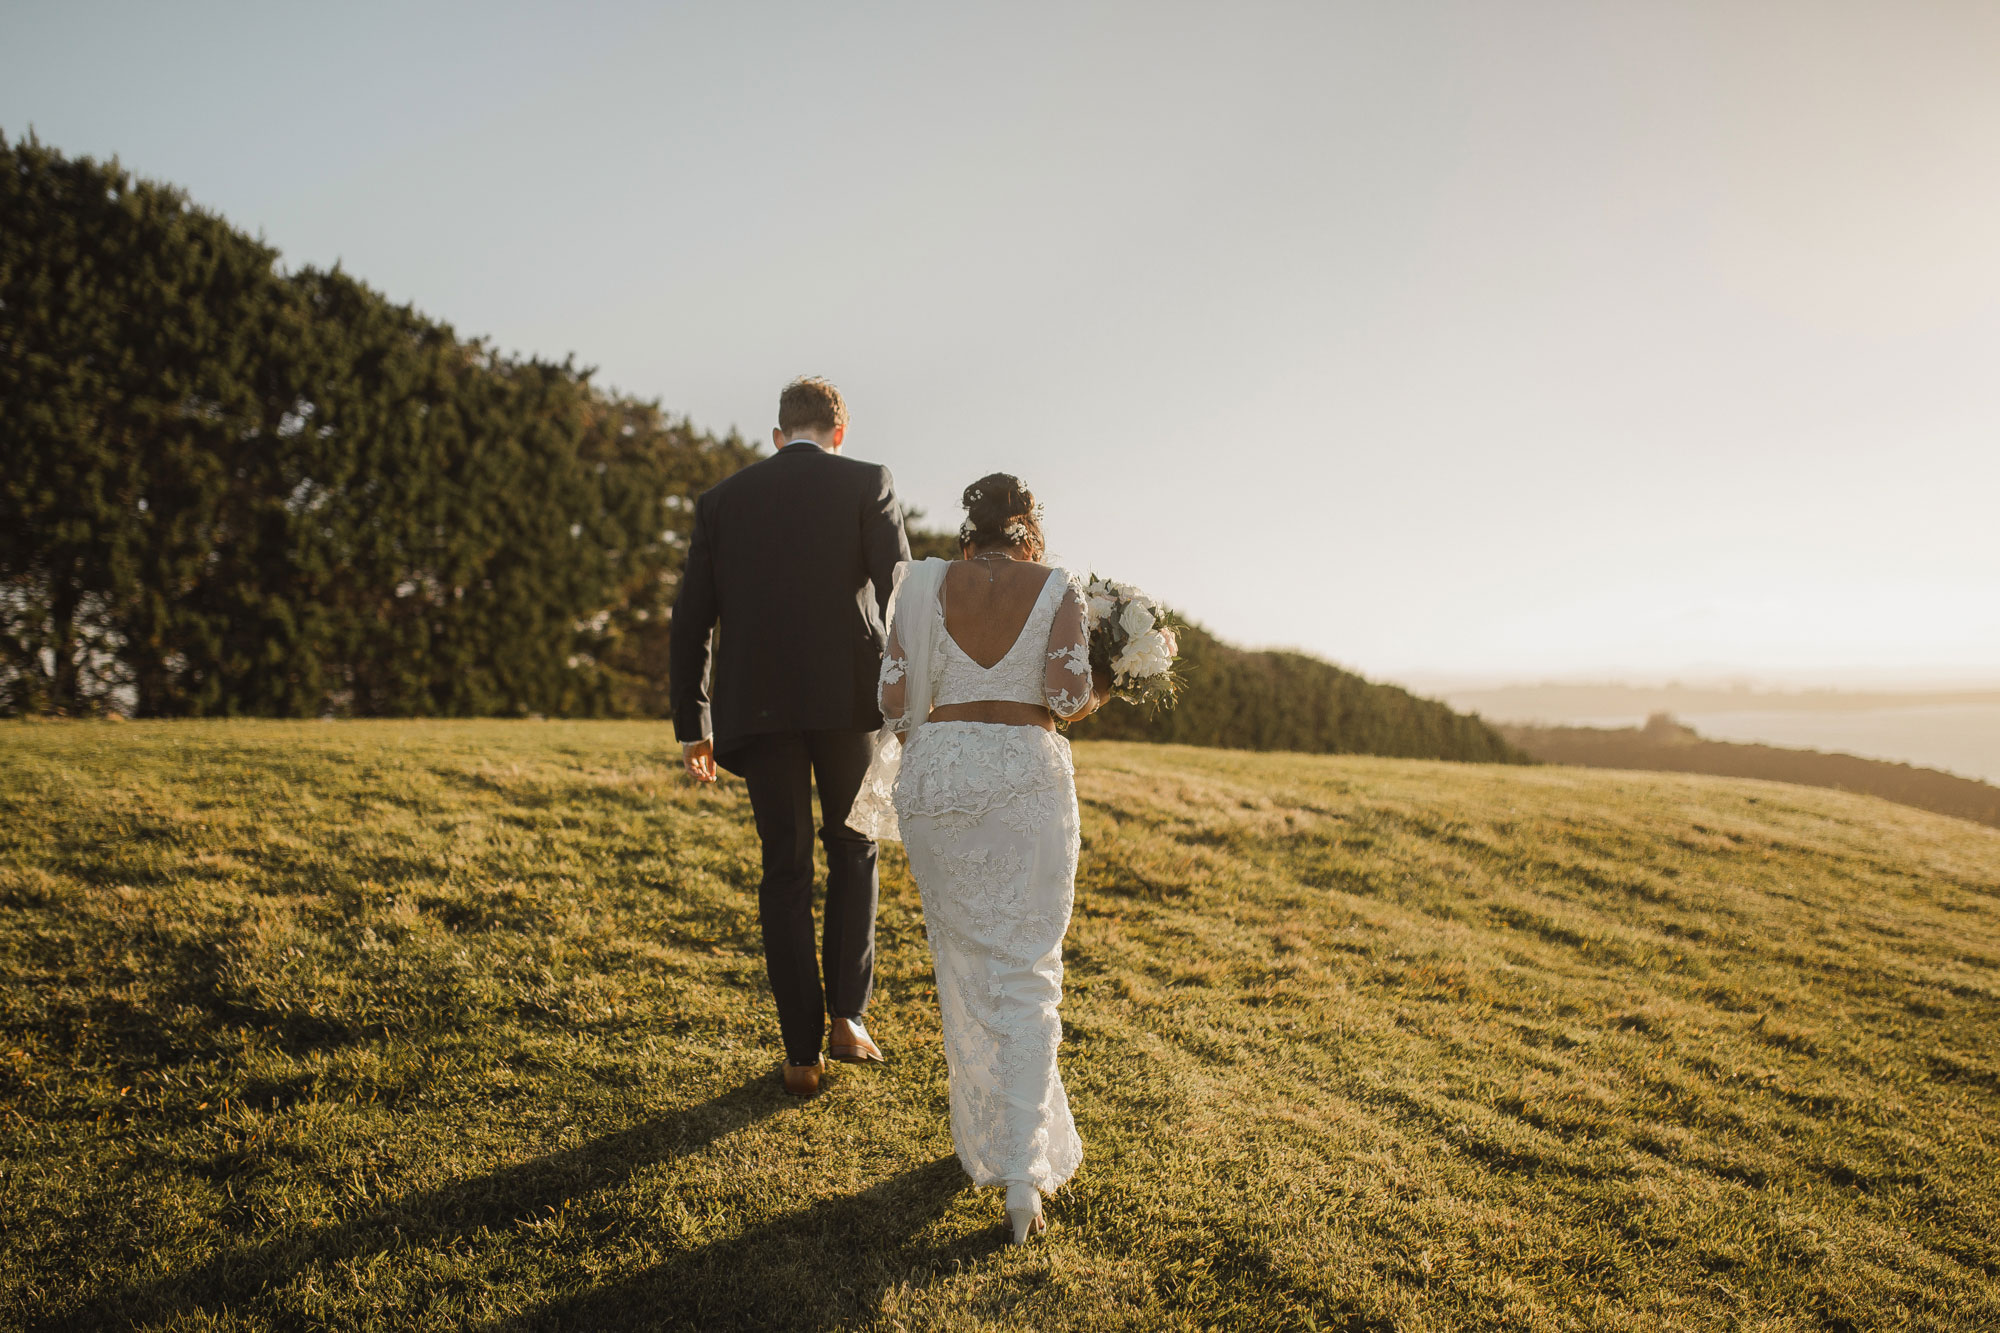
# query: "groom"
[[793, 558]]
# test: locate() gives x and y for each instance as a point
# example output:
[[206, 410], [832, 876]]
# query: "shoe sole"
[[857, 1057]]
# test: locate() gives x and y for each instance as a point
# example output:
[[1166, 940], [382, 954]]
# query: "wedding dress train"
[[988, 815]]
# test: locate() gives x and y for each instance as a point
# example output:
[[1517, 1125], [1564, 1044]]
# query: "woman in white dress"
[[984, 654]]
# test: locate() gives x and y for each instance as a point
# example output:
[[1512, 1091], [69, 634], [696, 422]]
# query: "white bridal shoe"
[[1024, 1211]]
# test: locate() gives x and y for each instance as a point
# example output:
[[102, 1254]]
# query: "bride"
[[984, 654]]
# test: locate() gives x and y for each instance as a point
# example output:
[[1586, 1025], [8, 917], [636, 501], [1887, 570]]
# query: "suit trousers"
[[780, 768]]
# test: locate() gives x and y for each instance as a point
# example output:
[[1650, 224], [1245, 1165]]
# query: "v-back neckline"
[[1012, 644]]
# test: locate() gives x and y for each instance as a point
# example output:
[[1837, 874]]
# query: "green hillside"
[[463, 1024]]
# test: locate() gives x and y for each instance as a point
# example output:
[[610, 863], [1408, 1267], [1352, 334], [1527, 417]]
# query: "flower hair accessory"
[[1018, 529]]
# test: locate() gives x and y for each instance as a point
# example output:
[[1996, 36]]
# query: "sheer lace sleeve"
[[1066, 682], [892, 686]]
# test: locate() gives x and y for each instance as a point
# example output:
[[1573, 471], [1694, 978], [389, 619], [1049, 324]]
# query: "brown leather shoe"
[[849, 1041], [803, 1080]]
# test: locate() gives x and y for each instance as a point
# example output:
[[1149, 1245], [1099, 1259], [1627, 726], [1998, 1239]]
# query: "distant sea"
[[1958, 738]]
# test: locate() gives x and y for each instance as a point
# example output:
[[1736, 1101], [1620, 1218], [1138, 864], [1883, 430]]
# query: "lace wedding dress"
[[987, 813]]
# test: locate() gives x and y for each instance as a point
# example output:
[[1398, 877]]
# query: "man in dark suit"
[[791, 565]]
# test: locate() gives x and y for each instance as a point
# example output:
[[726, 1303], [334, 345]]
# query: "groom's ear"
[[777, 437], [839, 438]]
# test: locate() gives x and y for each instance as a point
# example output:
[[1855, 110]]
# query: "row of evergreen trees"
[[225, 488], [228, 489]]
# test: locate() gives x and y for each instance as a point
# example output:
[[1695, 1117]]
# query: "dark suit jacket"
[[793, 557]]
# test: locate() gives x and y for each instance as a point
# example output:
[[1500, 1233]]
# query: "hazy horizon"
[[1445, 341], [1854, 680], [1957, 731]]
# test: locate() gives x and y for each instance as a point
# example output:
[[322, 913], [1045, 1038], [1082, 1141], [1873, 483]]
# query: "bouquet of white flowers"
[[1132, 636]]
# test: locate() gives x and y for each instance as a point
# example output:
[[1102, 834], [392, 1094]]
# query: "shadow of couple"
[[823, 1265]]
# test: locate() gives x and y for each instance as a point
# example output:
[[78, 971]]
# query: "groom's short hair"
[[811, 403]]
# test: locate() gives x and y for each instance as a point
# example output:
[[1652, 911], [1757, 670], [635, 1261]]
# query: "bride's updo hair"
[[1000, 511]]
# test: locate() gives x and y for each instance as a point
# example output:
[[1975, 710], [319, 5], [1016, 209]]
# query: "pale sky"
[[1484, 339]]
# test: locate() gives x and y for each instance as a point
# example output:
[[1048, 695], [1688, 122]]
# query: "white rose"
[[1099, 605], [1135, 619], [1143, 658]]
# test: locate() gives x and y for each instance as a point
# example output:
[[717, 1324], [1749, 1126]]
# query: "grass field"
[[372, 1025]]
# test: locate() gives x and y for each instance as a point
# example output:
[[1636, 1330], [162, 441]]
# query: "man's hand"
[[699, 757]]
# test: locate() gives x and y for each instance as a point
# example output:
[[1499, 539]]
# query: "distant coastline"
[[1955, 731], [1666, 744], [1557, 702]]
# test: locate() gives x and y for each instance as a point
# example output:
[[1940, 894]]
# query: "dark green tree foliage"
[[226, 489], [926, 543], [126, 320]]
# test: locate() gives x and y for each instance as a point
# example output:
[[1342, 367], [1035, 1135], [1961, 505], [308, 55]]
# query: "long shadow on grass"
[[819, 1268], [527, 1190]]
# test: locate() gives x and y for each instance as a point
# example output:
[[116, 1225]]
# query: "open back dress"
[[987, 812]]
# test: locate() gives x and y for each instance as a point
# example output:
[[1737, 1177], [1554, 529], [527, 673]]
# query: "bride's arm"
[[1072, 690], [892, 686]]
